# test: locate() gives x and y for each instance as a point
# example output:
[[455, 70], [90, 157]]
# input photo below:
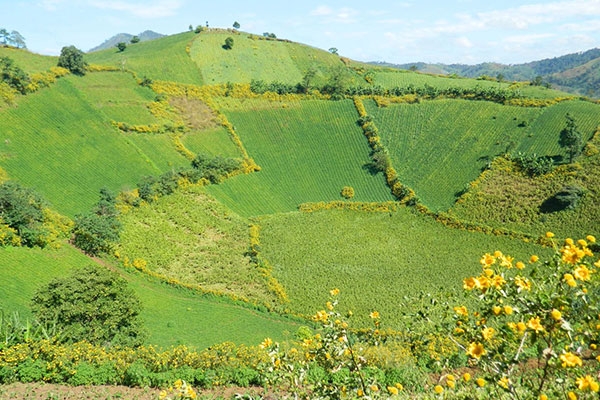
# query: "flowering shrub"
[[535, 328]]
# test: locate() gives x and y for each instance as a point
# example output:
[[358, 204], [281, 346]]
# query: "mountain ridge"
[[126, 37]]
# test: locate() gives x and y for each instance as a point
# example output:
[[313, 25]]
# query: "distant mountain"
[[577, 73], [126, 37]]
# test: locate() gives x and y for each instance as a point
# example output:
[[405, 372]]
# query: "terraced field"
[[308, 151]]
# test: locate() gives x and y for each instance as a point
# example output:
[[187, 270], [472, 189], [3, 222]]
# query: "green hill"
[[150, 109]]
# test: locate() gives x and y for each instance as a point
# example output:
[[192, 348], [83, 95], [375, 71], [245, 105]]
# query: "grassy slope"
[[428, 140], [201, 243], [29, 62], [307, 152], [163, 59], [249, 59], [172, 316], [374, 259]]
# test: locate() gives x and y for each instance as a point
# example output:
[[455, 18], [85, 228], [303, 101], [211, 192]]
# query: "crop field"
[[118, 96], [165, 59], [402, 78], [215, 141], [201, 243], [379, 261], [57, 143], [29, 62], [427, 139], [172, 316], [308, 152]]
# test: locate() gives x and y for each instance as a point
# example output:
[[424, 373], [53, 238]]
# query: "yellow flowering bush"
[[535, 327]]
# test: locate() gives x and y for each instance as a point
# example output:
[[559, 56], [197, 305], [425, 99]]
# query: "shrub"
[[71, 58], [347, 192], [97, 231], [534, 165], [91, 304], [566, 199]]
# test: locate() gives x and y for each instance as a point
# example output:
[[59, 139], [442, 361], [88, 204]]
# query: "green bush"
[[97, 231], [92, 304]]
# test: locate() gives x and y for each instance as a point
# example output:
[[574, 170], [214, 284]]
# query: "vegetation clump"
[[72, 59]]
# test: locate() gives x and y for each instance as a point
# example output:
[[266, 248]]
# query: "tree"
[[22, 209], [228, 43], [199, 29], [571, 139], [333, 50], [190, 28], [135, 39], [91, 304], [98, 230], [12, 75], [17, 40], [4, 36], [236, 25], [121, 46], [71, 58]]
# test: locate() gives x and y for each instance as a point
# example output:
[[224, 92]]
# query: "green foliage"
[[135, 39], [347, 192], [121, 46], [15, 329], [71, 58], [571, 139], [97, 231], [565, 199], [13, 76], [534, 165], [13, 38], [228, 43], [91, 304], [215, 169]]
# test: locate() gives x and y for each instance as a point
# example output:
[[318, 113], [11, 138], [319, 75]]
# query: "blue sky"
[[448, 31]]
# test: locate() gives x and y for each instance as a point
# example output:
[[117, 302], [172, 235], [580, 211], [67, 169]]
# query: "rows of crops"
[[307, 152], [118, 96], [29, 62], [428, 140], [375, 259], [190, 237], [171, 316], [165, 59]]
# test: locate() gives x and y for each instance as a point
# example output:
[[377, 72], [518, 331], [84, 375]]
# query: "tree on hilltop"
[[71, 58], [236, 25], [14, 38], [121, 46]]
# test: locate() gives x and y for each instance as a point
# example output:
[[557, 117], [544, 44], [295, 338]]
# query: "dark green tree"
[[12, 75], [22, 209], [91, 304], [236, 25], [333, 50], [121, 46], [97, 231], [17, 40], [135, 39], [71, 58], [228, 43], [571, 139]]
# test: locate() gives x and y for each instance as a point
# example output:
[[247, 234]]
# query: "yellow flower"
[[466, 377], [334, 292], [360, 393], [475, 350], [569, 241], [469, 283], [451, 384], [522, 283], [543, 397], [329, 306], [487, 260], [504, 382], [374, 314], [506, 261], [268, 342], [591, 239], [462, 311], [556, 315], [587, 382], [571, 396], [569, 280], [549, 235], [533, 259], [321, 316], [374, 388], [497, 254], [519, 265], [521, 327], [535, 325], [582, 273], [572, 254], [496, 310], [498, 281], [488, 333], [508, 310], [570, 360], [480, 382], [438, 389], [582, 243], [392, 390], [399, 386]]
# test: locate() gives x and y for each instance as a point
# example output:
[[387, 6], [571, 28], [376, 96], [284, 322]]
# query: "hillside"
[[252, 179], [575, 73], [125, 38]]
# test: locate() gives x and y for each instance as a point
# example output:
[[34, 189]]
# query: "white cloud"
[[343, 15], [321, 11], [464, 42], [156, 9], [50, 5]]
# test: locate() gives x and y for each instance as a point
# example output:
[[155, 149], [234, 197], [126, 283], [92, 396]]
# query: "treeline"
[[495, 94]]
